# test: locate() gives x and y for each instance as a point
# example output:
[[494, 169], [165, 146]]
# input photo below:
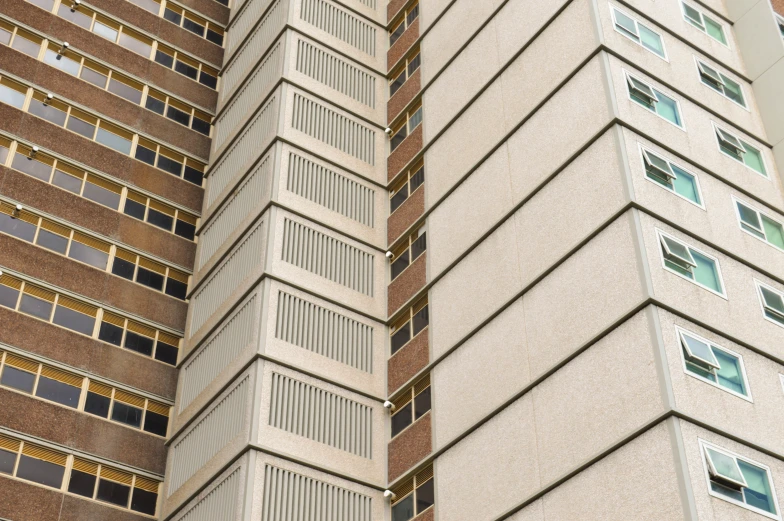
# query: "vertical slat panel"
[[333, 72], [220, 503], [341, 24]]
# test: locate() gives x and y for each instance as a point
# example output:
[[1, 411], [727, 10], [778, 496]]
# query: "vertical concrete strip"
[[682, 469]]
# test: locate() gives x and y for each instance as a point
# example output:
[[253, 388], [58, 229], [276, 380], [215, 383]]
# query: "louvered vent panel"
[[327, 257], [211, 434], [237, 208], [331, 190], [334, 129], [321, 416], [370, 3], [244, 148], [336, 73], [255, 47], [324, 332], [234, 334], [341, 24], [227, 277], [220, 503], [289, 496], [260, 79], [247, 16]]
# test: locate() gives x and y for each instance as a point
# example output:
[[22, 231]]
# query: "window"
[[51, 110], [113, 486], [407, 18], [127, 408], [193, 23], [41, 380], [404, 71], [406, 126], [716, 365], [126, 88], [66, 61], [691, 264], [638, 32], [413, 321], [411, 405], [772, 301], [667, 174], [739, 480], [741, 151], [12, 93], [414, 496], [408, 251], [27, 43], [406, 186], [780, 23], [160, 215], [721, 83], [10, 289], [761, 226], [19, 224], [151, 274], [653, 100], [43, 466], [704, 23]]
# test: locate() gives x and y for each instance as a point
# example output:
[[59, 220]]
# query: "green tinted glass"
[[773, 232], [753, 159], [706, 272], [668, 109], [686, 185], [651, 40], [730, 375], [758, 493], [715, 30]]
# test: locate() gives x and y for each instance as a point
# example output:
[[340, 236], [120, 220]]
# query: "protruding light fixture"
[[388, 131], [18, 209], [63, 47], [389, 495], [389, 405], [76, 5], [389, 255], [49, 98], [33, 152]]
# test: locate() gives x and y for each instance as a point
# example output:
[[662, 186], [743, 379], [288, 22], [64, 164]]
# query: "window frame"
[[403, 69], [414, 483], [406, 246], [403, 15], [760, 297], [704, 31], [717, 128], [409, 397], [643, 149], [409, 315], [659, 236], [737, 201], [628, 76], [701, 63], [637, 23], [405, 181]]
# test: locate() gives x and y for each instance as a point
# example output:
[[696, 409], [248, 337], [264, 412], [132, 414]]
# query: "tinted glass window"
[[138, 343], [3, 154], [88, 255], [421, 320], [173, 17], [192, 175], [81, 483], [26, 46], [81, 127], [36, 307], [159, 219], [59, 392], [114, 141], [398, 138], [156, 423], [193, 27], [184, 229], [201, 126], [97, 405], [425, 496], [164, 59], [102, 195], [48, 112], [149, 278], [145, 154], [404, 509], [67, 182], [127, 414], [8, 296], [134, 45], [179, 116], [187, 70], [110, 333], [400, 264], [123, 268], [208, 80], [74, 320], [94, 77], [75, 16], [105, 31], [421, 403], [114, 493], [134, 209], [52, 241], [214, 37], [17, 227], [396, 84], [7, 461], [11, 97], [155, 105], [169, 165], [400, 338], [5, 36], [61, 62], [40, 471], [125, 91], [45, 4], [401, 419], [32, 167], [176, 289], [144, 501], [166, 353], [17, 379]]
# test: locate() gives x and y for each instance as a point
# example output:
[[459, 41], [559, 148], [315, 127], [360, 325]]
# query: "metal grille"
[[338, 74], [341, 24]]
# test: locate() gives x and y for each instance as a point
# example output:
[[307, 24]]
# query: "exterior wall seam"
[[682, 469]]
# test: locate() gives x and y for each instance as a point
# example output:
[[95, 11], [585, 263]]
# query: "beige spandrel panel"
[[696, 138], [737, 311], [224, 496], [715, 219], [753, 415]]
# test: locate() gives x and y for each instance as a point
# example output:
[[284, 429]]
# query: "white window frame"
[[660, 234], [698, 61], [702, 15], [703, 455], [716, 129], [614, 8], [627, 75], [735, 201], [644, 149], [781, 377], [758, 285], [680, 331]]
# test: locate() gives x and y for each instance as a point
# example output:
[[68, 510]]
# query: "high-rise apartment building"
[[350, 260]]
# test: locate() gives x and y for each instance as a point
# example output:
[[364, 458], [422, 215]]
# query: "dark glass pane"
[[101, 196], [110, 333], [187, 70], [421, 403], [169, 165], [166, 353], [74, 320], [214, 37], [59, 392], [81, 483], [94, 77], [75, 16], [67, 182], [88, 255], [97, 405], [200, 126], [401, 419], [176, 289], [48, 112], [178, 115], [412, 15], [32, 167], [44, 4], [420, 320], [7, 461], [123, 268], [184, 229], [397, 83], [18, 379], [134, 209], [223, 2], [397, 33], [156, 423], [159, 219], [398, 138], [164, 59], [125, 91], [81, 127], [400, 264], [8, 296], [401, 338], [173, 17], [155, 105], [208, 80], [114, 493], [52, 241], [139, 343], [193, 27], [403, 510], [193, 176], [113, 141], [417, 179], [144, 501], [35, 307], [17, 227], [419, 246], [149, 278], [145, 154], [414, 64], [127, 414], [40, 471], [425, 496]]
